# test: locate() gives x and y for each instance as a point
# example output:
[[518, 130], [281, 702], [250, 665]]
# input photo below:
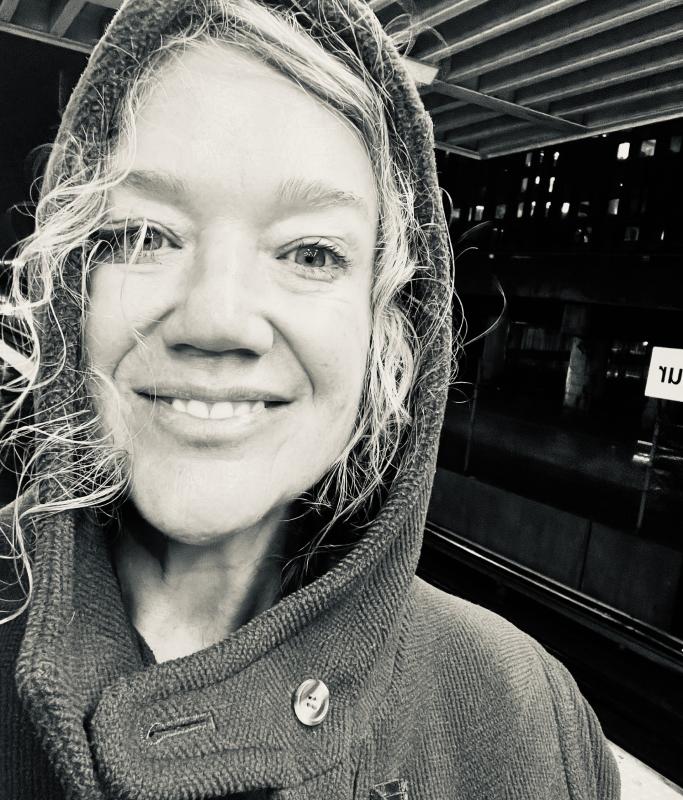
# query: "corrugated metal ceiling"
[[506, 76]]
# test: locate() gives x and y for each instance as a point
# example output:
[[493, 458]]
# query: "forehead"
[[224, 125]]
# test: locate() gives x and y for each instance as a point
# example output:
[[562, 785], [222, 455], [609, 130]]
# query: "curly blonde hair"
[[73, 206]]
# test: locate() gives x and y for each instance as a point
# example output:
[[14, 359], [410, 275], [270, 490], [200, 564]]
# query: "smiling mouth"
[[224, 409]]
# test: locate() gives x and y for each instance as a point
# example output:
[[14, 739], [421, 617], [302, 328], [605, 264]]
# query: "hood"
[[79, 672]]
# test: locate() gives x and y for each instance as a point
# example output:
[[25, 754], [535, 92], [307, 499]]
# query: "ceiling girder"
[[604, 98], [474, 134], [476, 31], [505, 107], [645, 35], [7, 9], [558, 32], [65, 13], [604, 125], [607, 74], [442, 108], [46, 38], [511, 76], [472, 117], [443, 11]]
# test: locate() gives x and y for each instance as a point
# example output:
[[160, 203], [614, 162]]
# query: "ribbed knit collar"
[[220, 720]]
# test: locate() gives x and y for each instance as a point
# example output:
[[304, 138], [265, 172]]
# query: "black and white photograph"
[[341, 400]]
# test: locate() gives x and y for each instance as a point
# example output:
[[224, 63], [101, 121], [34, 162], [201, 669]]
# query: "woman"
[[240, 285]]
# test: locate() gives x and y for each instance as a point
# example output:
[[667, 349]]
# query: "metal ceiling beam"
[[378, 5], [445, 107], [618, 70], [459, 151], [473, 134], [62, 16], [559, 31], [471, 117], [482, 28], [443, 11], [507, 146], [586, 54], [7, 9], [641, 109], [505, 107], [638, 90], [46, 38]]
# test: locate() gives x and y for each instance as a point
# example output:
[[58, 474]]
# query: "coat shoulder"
[[485, 645], [512, 694]]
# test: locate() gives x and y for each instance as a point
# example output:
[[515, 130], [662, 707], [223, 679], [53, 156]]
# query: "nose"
[[221, 307]]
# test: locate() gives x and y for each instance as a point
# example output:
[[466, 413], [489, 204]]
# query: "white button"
[[311, 702]]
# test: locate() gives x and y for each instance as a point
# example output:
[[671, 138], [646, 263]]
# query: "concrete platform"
[[639, 782]]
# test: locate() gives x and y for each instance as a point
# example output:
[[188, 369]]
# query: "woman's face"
[[247, 312]]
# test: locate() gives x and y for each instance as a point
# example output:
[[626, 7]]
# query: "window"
[[455, 213], [613, 206], [661, 236], [551, 184], [647, 147], [469, 214], [537, 180], [520, 210], [527, 159], [525, 184], [565, 209], [478, 213], [623, 150], [632, 233], [675, 144], [541, 156], [500, 211], [533, 208], [556, 157], [582, 235], [584, 208], [547, 208]]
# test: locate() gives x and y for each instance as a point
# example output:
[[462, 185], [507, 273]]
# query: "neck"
[[184, 597]]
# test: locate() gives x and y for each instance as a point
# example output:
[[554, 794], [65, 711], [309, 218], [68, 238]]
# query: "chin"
[[190, 510]]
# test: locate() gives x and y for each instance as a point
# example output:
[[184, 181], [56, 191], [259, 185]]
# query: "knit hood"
[[79, 672]]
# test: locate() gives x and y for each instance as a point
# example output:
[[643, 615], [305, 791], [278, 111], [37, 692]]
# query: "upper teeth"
[[222, 410]]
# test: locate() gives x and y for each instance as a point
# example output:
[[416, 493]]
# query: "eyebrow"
[[300, 192], [295, 192], [153, 182]]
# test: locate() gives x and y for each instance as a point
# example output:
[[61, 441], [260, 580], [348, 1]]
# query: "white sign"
[[665, 376]]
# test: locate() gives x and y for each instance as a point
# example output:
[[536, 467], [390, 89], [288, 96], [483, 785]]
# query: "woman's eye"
[[316, 256], [130, 243]]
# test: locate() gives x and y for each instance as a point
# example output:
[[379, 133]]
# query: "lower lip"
[[209, 431]]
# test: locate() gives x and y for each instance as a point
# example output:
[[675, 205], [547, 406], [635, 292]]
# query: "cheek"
[[332, 346], [114, 324], [123, 306]]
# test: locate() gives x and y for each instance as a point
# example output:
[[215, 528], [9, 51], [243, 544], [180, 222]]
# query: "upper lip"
[[233, 394]]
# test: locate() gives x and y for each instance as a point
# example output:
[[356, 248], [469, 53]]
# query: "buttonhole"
[[159, 731]]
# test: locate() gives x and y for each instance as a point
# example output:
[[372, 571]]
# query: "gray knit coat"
[[431, 698]]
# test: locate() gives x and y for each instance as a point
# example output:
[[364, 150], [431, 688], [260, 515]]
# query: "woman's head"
[[233, 345], [246, 108]]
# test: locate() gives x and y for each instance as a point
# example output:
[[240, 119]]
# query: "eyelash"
[[342, 260], [136, 229], [116, 236]]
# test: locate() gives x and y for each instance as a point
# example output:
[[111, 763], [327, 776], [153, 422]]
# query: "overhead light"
[[423, 74]]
